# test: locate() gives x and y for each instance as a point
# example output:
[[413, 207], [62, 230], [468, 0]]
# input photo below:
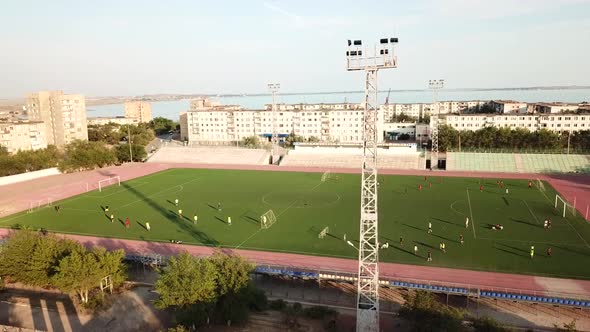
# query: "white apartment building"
[[219, 124], [117, 119], [509, 106], [553, 107], [23, 135], [140, 110], [531, 122], [64, 115]]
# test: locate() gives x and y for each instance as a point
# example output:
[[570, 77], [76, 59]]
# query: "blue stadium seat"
[[577, 303], [519, 297]]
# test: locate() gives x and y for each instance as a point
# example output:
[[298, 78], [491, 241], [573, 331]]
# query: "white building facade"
[[23, 135], [532, 122]]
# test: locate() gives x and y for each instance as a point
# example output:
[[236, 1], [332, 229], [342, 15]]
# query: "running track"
[[17, 197]]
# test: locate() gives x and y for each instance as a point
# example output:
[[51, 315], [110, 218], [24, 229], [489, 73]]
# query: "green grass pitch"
[[304, 206]]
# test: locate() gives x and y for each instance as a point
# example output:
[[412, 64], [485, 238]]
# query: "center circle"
[[300, 199]]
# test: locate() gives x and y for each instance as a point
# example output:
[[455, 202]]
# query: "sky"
[[133, 47]]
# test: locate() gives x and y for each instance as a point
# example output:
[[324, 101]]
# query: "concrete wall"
[[409, 148], [28, 176]]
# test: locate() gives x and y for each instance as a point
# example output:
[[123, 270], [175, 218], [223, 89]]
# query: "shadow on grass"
[[522, 222], [404, 250], [142, 225], [525, 251], [508, 251], [247, 216], [448, 222], [414, 227], [214, 207], [505, 201], [424, 244], [221, 220], [445, 238], [197, 235]]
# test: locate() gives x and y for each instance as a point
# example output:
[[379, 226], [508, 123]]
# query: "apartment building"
[[23, 135], [64, 116], [218, 124], [550, 108], [509, 106], [531, 122], [120, 120], [140, 110]]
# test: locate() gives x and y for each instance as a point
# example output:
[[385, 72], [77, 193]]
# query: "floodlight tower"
[[434, 86], [274, 89], [382, 57]]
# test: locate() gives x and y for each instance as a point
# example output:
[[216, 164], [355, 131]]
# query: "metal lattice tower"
[[274, 89], [367, 314], [434, 85]]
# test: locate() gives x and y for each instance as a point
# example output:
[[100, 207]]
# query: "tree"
[[313, 139], [162, 125], [251, 142], [402, 117], [82, 155], [292, 138], [78, 273], [138, 151], [3, 151], [186, 280], [425, 313], [233, 272]]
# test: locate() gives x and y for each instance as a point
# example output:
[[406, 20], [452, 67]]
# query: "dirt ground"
[[133, 310]]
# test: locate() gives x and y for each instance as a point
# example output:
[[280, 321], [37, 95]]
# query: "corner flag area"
[[506, 217]]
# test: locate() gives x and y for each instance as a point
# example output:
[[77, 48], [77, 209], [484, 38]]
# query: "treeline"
[[107, 145], [519, 139], [44, 260]]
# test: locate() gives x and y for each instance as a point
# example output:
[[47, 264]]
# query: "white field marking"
[[471, 213], [159, 192], [452, 206], [575, 230], [531, 211], [126, 188]]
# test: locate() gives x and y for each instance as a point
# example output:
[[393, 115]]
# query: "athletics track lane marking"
[[471, 213]]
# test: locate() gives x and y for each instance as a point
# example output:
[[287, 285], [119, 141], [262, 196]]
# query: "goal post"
[[562, 206], [267, 219], [324, 232], [108, 182], [34, 205], [540, 184], [326, 176]]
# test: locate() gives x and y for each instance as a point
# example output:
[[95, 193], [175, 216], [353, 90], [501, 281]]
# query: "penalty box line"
[[471, 214]]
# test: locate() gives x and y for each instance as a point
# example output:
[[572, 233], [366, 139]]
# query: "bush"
[[96, 303], [319, 312], [487, 324], [297, 307], [278, 305]]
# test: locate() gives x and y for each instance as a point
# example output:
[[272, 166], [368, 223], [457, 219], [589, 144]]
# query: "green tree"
[[487, 324], [313, 139], [251, 141], [139, 152], [3, 151], [292, 138], [78, 273], [186, 280], [82, 155], [402, 117], [233, 272], [108, 133], [425, 313], [162, 125]]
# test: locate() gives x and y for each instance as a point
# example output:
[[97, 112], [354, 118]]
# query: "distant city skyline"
[[137, 47]]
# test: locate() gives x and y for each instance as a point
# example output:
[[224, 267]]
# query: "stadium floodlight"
[[367, 319], [274, 89], [434, 85]]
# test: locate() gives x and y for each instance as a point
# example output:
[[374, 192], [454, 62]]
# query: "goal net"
[[540, 185], [34, 205], [564, 207], [323, 233], [326, 176], [267, 219], [108, 182]]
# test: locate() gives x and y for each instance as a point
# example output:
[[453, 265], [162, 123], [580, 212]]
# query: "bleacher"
[[335, 160], [517, 163], [210, 155], [482, 162], [555, 163]]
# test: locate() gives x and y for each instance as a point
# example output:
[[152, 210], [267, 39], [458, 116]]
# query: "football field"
[[304, 206]]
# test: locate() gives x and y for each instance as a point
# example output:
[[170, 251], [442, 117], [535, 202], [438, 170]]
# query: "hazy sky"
[[126, 47]]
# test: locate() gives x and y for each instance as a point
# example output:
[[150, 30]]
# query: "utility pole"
[[569, 137], [274, 89], [435, 85], [382, 57]]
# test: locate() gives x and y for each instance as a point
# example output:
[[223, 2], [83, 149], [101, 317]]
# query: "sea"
[[172, 109]]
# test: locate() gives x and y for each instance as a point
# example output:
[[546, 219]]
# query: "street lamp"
[[274, 89], [434, 86]]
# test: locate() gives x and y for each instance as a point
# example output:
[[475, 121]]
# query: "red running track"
[[388, 271], [17, 197]]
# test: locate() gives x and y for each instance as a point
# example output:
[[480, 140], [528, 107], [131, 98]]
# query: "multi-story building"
[[120, 120], [140, 110], [531, 122], [23, 135], [509, 106], [552, 107], [64, 115], [218, 124]]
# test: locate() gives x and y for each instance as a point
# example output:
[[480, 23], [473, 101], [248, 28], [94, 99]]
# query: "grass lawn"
[[304, 206]]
